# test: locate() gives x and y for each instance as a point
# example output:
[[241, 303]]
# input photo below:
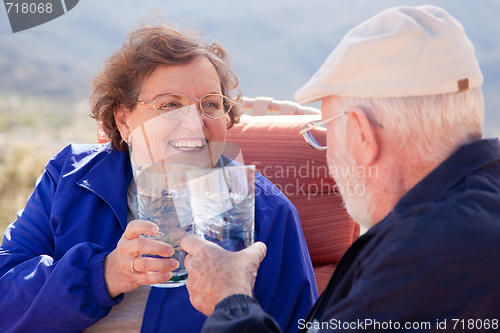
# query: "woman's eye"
[[170, 106], [211, 105]]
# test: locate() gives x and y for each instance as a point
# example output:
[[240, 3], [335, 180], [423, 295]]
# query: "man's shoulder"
[[440, 230]]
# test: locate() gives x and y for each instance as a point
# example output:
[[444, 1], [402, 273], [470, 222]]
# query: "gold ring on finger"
[[134, 272]]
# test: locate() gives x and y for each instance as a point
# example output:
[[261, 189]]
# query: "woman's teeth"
[[187, 144]]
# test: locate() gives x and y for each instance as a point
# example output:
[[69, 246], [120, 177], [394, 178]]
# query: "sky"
[[275, 46]]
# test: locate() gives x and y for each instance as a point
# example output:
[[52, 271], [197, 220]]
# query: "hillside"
[[275, 45]]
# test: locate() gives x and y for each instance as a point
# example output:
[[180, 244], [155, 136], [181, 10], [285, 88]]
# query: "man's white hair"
[[435, 125]]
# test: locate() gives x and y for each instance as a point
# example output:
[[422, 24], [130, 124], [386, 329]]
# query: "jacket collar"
[[109, 179], [464, 161]]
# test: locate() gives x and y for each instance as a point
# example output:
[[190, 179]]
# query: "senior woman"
[[65, 263]]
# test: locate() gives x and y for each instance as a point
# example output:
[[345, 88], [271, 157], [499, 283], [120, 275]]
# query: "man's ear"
[[121, 114], [363, 141]]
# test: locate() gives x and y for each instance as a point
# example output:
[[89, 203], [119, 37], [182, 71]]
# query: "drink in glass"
[[223, 205], [163, 198]]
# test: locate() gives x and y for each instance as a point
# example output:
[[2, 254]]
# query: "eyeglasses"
[[173, 106], [314, 132]]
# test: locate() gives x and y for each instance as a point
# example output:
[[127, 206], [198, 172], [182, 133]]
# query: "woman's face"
[[191, 138]]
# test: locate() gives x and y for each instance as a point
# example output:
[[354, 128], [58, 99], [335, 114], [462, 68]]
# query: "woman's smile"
[[188, 144]]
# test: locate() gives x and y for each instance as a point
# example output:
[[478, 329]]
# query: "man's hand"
[[214, 273]]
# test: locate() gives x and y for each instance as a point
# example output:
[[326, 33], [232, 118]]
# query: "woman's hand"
[[125, 269]]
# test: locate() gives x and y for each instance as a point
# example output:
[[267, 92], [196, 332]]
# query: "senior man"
[[401, 93]]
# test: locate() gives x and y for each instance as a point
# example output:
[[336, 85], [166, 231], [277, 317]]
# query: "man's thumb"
[[257, 250]]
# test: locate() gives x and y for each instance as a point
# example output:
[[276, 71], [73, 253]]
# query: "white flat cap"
[[402, 51]]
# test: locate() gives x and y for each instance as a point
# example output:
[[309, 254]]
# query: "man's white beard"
[[356, 194]]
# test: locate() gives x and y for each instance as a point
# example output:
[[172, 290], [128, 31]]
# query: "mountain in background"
[[275, 46]]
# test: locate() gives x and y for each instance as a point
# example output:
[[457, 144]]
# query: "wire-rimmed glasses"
[[314, 132], [172, 106]]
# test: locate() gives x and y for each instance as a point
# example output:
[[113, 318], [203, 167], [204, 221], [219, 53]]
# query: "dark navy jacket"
[[432, 263], [52, 257]]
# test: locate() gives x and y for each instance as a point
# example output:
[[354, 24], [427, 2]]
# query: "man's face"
[[328, 110], [350, 178]]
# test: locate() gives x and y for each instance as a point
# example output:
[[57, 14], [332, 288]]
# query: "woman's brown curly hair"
[[119, 82]]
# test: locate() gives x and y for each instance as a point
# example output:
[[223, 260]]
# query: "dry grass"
[[32, 130], [20, 167]]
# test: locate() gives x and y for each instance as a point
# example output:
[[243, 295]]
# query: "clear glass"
[[223, 205], [163, 198], [216, 203]]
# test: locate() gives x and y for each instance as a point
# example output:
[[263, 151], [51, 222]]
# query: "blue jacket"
[[430, 265], [52, 256]]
